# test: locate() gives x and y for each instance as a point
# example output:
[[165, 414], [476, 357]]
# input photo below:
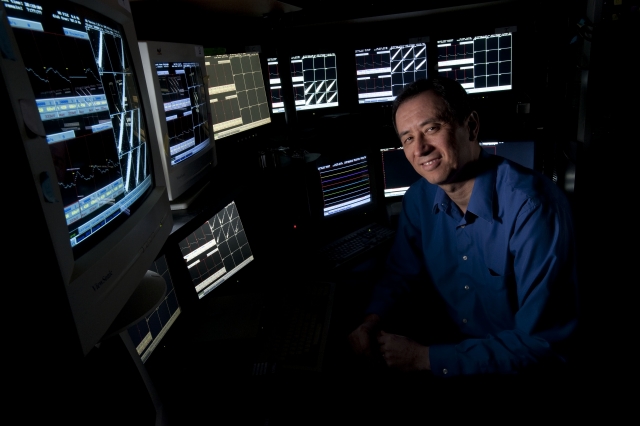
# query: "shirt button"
[[463, 226], [445, 371], [464, 257], [466, 287], [464, 320]]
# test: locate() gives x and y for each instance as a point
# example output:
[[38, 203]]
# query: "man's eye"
[[407, 140]]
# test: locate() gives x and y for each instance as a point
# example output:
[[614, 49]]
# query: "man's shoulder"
[[518, 182]]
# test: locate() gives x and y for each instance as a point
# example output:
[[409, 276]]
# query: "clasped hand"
[[397, 351]]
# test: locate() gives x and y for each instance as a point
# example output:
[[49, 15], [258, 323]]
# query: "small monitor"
[[479, 63], [521, 152], [147, 333], [382, 72], [216, 250], [237, 93], [397, 173], [314, 79], [174, 76], [275, 86], [345, 184]]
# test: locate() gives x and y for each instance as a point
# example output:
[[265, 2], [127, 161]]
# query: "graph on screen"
[[216, 250], [479, 64], [382, 72]]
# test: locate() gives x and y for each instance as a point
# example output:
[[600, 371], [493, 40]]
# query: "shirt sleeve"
[[543, 249], [404, 265]]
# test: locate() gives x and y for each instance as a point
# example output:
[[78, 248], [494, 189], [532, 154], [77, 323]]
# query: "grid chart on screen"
[[147, 333], [275, 88], [237, 93], [89, 106], [216, 250], [383, 72], [479, 64], [315, 81], [345, 185]]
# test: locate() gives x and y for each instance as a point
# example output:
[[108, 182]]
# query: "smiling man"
[[484, 254]]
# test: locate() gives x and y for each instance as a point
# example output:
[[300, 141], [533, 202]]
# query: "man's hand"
[[403, 353], [361, 338]]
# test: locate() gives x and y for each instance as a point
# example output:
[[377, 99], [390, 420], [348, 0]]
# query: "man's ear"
[[473, 123]]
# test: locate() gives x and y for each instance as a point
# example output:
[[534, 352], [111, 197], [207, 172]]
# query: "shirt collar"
[[481, 201]]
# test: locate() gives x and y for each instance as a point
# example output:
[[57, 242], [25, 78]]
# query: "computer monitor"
[[72, 73], [174, 74], [382, 72], [216, 250], [275, 86], [148, 332], [345, 184], [479, 63], [397, 173], [521, 152], [237, 93], [314, 80]]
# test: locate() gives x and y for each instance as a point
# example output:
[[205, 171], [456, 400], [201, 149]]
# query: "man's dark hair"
[[456, 100]]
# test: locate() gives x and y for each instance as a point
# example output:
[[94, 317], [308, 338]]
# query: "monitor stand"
[[186, 199]]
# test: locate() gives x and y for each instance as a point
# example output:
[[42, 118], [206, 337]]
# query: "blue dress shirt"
[[506, 269]]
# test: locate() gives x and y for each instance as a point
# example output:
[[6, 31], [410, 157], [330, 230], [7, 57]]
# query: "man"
[[491, 242]]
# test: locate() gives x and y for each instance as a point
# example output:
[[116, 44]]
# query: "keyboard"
[[354, 245], [295, 329]]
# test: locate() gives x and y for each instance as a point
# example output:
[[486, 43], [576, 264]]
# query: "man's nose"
[[421, 146]]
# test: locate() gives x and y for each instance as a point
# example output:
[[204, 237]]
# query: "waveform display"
[[225, 110], [126, 130], [273, 71], [373, 61], [455, 51], [345, 185], [276, 95], [52, 72], [296, 69], [135, 167], [84, 165], [216, 250], [108, 50], [173, 87], [374, 85]]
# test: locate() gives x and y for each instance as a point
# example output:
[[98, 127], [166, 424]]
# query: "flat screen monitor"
[[314, 79], [237, 93], [521, 152], [345, 183], [275, 86], [72, 71], [397, 173], [174, 73], [216, 250], [148, 332], [479, 63], [382, 72]]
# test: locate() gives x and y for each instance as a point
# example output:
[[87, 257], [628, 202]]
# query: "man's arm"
[[542, 246]]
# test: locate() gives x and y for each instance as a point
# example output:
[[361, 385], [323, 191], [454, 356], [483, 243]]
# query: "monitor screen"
[[314, 80], [521, 152], [275, 85], [397, 173], [216, 250], [382, 72], [174, 74], [345, 183], [147, 333], [237, 93], [480, 64], [72, 70]]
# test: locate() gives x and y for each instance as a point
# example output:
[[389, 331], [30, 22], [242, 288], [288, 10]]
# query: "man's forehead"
[[428, 104]]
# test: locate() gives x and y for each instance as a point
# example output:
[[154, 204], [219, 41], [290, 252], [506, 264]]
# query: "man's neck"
[[460, 193]]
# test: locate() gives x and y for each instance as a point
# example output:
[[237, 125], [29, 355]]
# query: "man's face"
[[436, 149]]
